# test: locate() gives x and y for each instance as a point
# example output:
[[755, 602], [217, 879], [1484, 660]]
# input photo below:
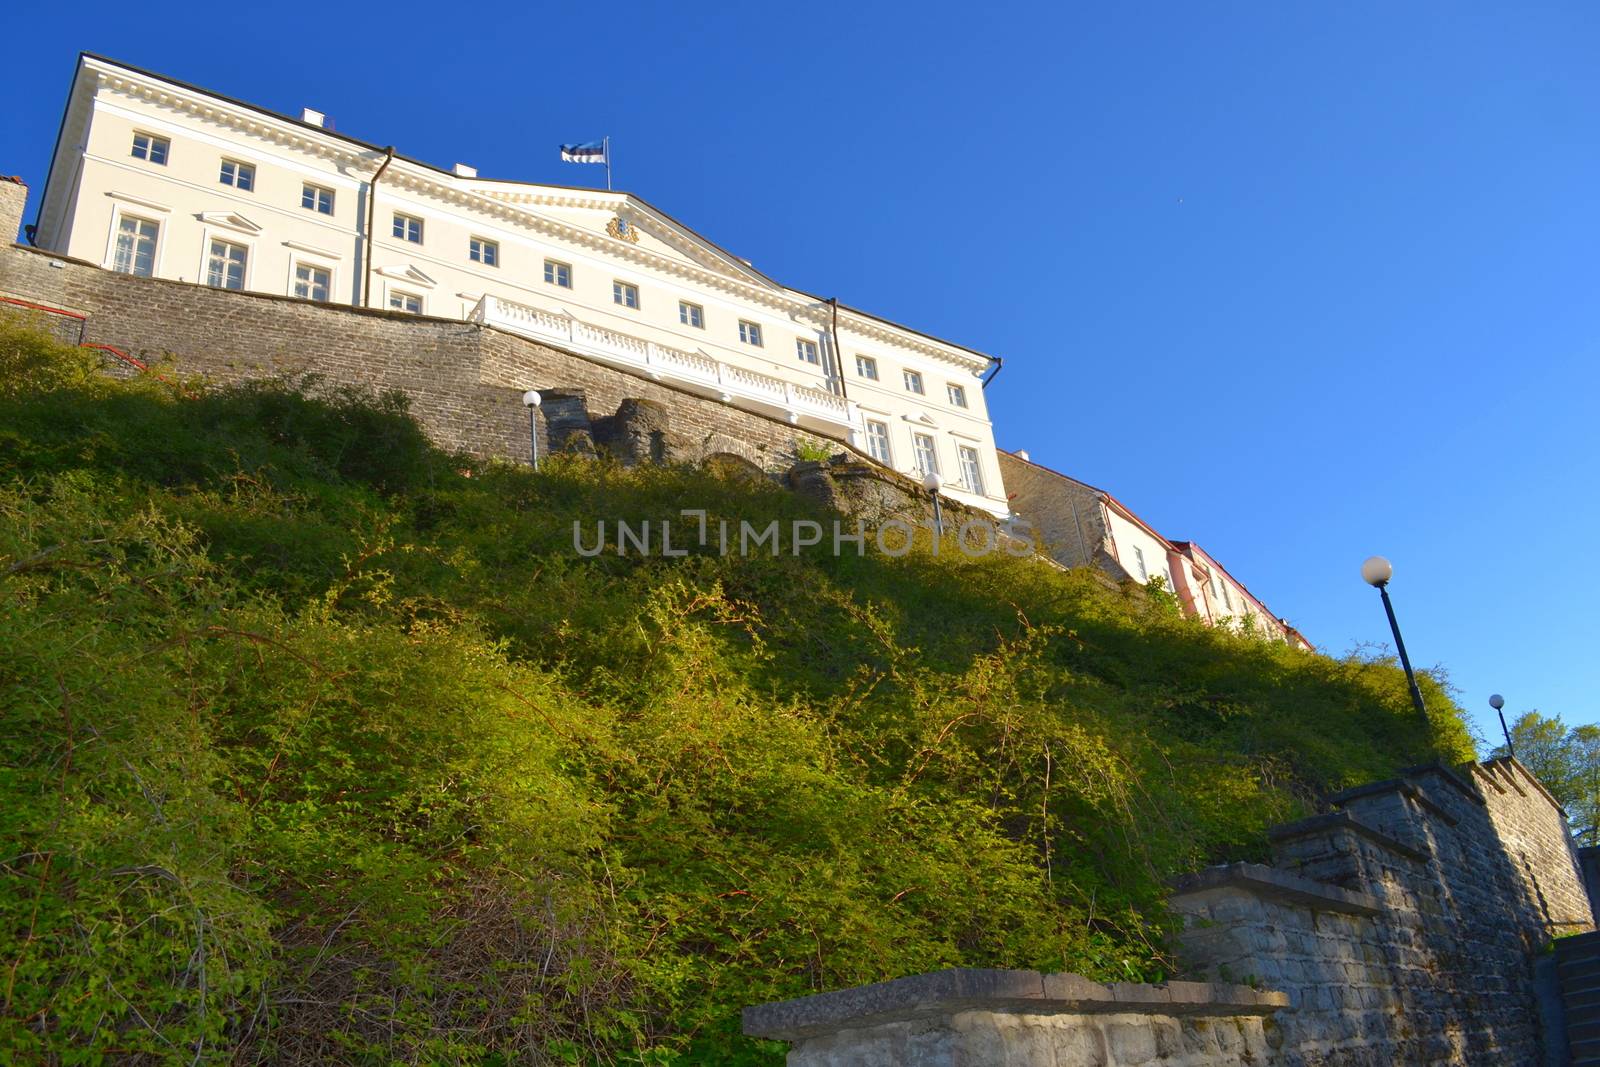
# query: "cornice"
[[420, 179]]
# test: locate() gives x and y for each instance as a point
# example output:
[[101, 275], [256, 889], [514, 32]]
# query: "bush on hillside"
[[322, 745]]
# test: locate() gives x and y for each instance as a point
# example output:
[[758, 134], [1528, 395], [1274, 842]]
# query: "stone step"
[[1574, 970], [1584, 1052], [1588, 1031], [1579, 999], [1578, 942]]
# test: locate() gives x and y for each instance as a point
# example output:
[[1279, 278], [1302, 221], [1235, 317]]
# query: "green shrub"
[[320, 745]]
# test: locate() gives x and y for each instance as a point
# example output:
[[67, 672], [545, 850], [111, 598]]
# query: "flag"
[[588, 152]]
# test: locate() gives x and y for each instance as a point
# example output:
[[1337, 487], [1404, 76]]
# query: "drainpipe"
[[838, 353], [372, 205]]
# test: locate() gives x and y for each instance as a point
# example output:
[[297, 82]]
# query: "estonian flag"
[[588, 152]]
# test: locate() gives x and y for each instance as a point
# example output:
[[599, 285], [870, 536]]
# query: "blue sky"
[[1301, 283]]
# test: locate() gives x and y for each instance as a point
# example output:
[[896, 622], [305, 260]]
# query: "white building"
[[152, 176]]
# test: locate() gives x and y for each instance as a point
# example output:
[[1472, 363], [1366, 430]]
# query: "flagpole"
[[606, 142]]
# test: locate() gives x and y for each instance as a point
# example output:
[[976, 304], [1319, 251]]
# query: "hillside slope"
[[322, 746]]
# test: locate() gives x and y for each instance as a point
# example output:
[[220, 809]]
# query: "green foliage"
[[813, 452], [321, 745]]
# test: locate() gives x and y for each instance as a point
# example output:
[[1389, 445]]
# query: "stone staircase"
[[1578, 964]]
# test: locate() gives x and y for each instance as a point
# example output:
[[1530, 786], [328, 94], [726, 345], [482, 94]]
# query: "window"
[[750, 333], [971, 473], [410, 303], [913, 382], [148, 146], [927, 458], [225, 265], [408, 228], [807, 351], [867, 367], [1222, 591], [241, 176], [558, 273], [1138, 558], [136, 246], [958, 394], [625, 294], [1172, 587], [691, 314], [316, 198], [878, 441], [485, 251], [312, 283]]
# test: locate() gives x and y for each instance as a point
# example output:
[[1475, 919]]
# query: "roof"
[[371, 147]]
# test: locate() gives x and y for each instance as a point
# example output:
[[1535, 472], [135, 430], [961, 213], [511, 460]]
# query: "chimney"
[[1022, 453], [312, 116], [464, 171]]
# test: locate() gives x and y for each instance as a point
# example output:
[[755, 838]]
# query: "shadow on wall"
[[1405, 923]]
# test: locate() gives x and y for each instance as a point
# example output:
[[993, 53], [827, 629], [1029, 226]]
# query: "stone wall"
[[13, 202], [980, 1018], [465, 381], [1066, 516], [1403, 926]]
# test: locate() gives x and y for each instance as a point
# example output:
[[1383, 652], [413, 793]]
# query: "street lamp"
[[531, 400], [931, 482], [1377, 571], [1496, 701]]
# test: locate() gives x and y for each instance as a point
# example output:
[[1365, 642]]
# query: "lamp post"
[[531, 400], [931, 482], [1496, 701], [1377, 571]]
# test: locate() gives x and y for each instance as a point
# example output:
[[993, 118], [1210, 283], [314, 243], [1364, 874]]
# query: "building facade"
[[1078, 525], [154, 177]]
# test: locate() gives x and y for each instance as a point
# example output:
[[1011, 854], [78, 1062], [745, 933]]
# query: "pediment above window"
[[406, 272], [231, 220], [300, 246]]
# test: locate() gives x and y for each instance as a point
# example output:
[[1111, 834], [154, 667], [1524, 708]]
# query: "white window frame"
[[863, 362], [296, 262], [236, 164], [971, 477], [908, 376], [483, 243], [1138, 557], [333, 198], [887, 459], [553, 269], [957, 394], [932, 467], [688, 310], [153, 139], [750, 334], [620, 290], [391, 291], [232, 238], [138, 211], [807, 351], [422, 229]]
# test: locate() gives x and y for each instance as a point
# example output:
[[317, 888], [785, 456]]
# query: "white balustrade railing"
[[664, 363]]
